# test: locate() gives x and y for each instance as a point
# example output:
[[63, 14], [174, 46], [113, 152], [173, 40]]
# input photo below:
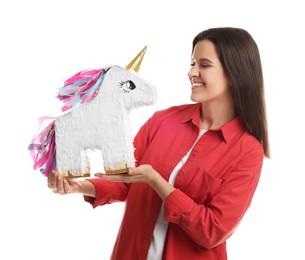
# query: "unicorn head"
[[127, 88], [97, 106]]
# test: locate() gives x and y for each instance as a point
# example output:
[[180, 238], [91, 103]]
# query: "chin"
[[196, 99]]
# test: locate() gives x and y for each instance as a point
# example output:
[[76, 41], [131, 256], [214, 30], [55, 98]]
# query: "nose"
[[193, 72]]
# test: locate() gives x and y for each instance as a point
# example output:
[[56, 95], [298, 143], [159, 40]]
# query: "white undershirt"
[[157, 243]]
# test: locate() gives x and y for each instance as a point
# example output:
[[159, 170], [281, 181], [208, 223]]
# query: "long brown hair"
[[240, 58]]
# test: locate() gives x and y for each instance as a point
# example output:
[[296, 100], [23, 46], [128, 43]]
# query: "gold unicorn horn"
[[135, 64]]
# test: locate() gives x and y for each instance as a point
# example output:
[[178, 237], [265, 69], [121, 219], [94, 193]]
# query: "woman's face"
[[208, 80]]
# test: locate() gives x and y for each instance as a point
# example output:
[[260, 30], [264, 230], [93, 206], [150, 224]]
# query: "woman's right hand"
[[60, 185]]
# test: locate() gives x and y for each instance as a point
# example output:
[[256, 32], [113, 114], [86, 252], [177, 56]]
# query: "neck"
[[214, 116]]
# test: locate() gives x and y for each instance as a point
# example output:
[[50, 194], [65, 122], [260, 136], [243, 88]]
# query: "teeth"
[[198, 84]]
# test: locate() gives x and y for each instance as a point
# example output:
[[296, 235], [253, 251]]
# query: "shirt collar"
[[228, 130]]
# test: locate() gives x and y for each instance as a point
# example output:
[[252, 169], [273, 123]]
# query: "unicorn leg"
[[72, 160]]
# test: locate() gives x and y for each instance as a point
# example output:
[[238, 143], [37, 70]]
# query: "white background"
[[44, 42]]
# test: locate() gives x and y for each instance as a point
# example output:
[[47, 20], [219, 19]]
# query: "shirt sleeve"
[[210, 225], [107, 192]]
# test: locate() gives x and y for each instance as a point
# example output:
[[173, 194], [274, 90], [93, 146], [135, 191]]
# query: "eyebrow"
[[203, 60]]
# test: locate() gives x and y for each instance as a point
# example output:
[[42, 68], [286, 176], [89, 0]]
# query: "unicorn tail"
[[42, 148]]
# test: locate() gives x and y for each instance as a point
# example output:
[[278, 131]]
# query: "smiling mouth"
[[198, 85]]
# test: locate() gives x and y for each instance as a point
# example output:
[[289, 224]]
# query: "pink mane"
[[81, 88]]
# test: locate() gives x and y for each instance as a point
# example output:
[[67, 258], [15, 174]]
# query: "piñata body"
[[96, 117], [104, 124]]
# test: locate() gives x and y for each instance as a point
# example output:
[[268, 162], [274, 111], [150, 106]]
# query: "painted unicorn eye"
[[127, 86]]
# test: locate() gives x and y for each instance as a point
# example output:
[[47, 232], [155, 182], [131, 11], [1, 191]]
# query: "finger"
[[60, 185], [67, 186], [105, 176], [135, 171], [113, 177], [52, 180], [132, 171]]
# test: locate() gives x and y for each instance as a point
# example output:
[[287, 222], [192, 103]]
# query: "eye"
[[131, 86], [127, 86], [204, 65], [201, 65]]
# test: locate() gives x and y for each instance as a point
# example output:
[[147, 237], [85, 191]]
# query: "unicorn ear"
[[135, 64]]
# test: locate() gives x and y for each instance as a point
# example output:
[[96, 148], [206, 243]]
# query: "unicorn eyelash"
[[122, 83]]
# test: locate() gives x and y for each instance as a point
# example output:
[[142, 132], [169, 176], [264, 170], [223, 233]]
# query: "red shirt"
[[214, 188]]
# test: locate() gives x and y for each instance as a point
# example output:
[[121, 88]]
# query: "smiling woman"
[[229, 66], [198, 165]]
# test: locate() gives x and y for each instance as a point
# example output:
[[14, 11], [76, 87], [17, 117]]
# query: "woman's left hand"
[[144, 174]]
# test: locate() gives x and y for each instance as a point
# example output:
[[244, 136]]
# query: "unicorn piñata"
[[97, 117]]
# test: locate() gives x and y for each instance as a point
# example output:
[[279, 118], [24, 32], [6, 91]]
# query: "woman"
[[199, 164]]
